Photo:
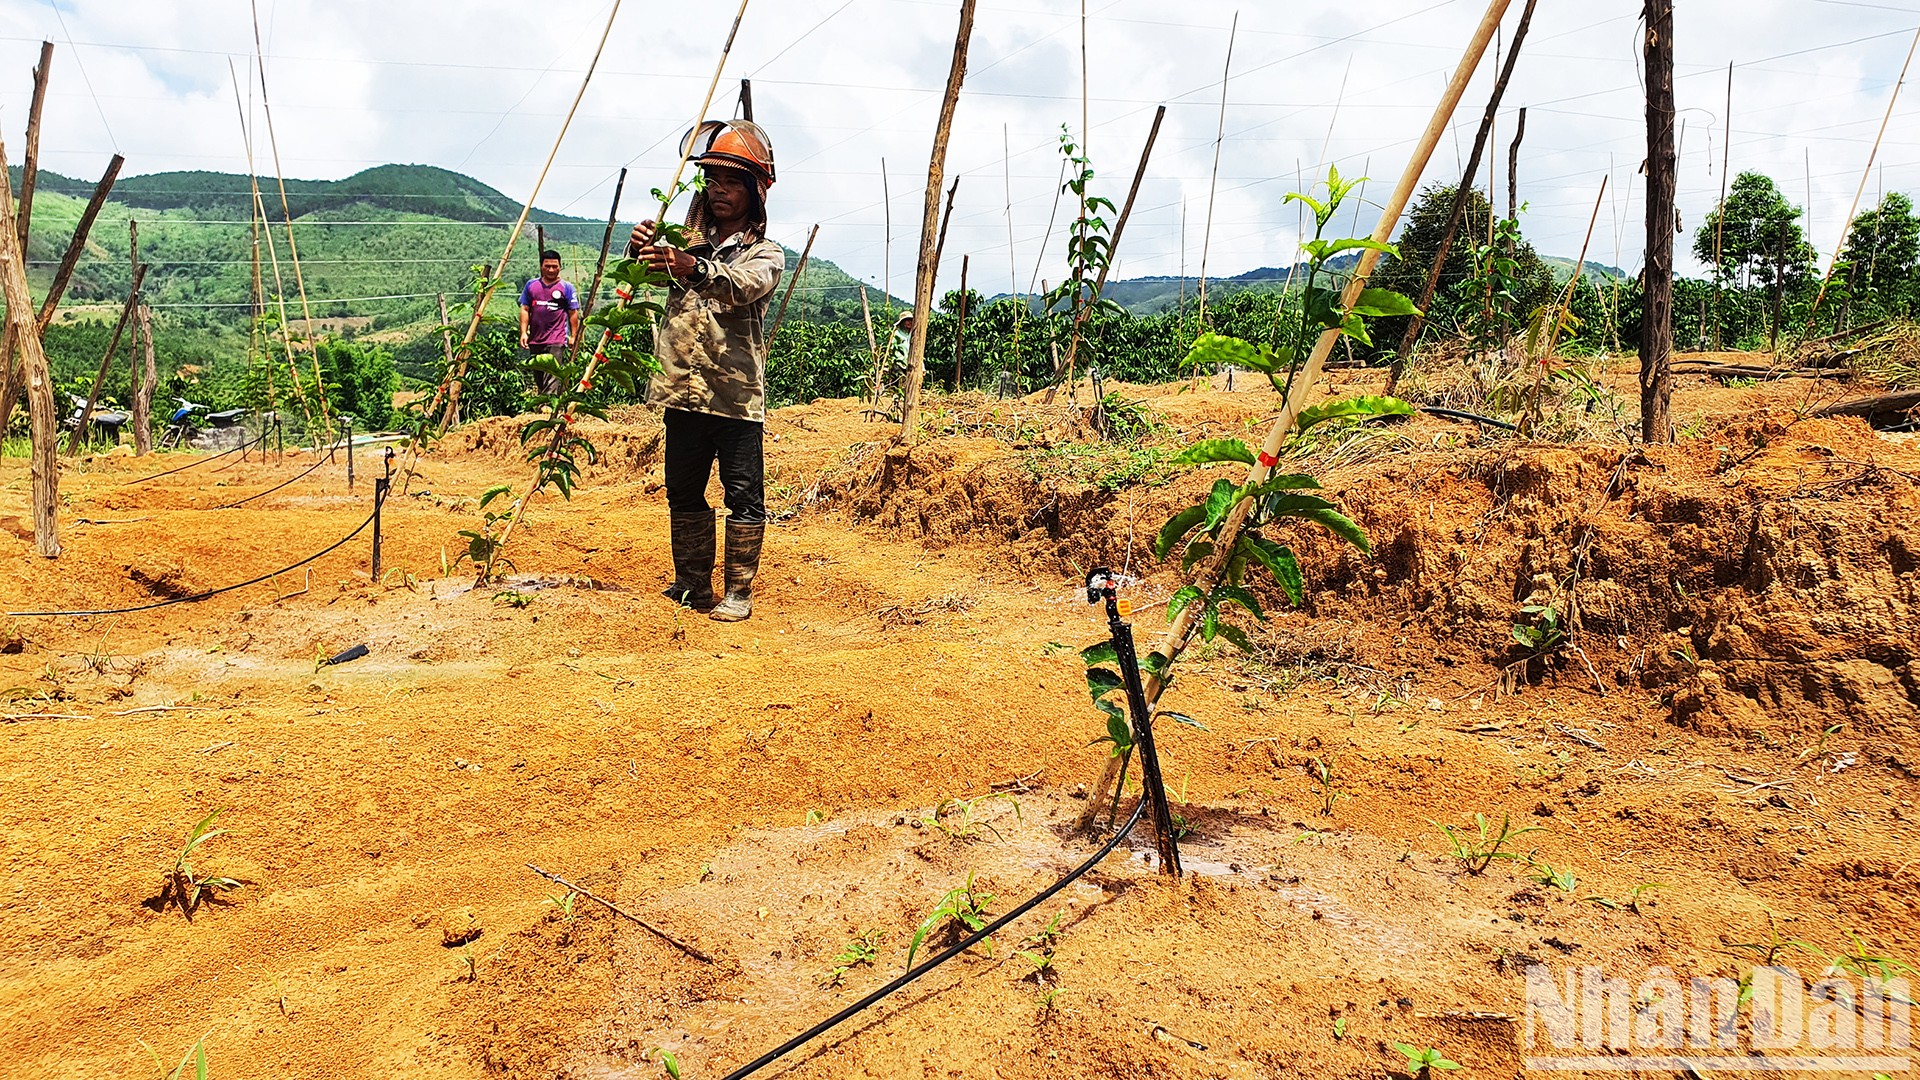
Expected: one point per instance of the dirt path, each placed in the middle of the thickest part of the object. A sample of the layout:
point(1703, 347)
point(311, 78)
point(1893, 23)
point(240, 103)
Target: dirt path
point(756, 787)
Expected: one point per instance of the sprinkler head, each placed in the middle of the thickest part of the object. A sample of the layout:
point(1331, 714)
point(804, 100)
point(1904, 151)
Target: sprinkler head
point(1100, 584)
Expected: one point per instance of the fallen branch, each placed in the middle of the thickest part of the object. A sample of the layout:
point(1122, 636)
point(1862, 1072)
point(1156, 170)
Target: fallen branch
point(642, 923)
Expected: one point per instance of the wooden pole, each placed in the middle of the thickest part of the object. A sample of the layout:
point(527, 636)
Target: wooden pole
point(886, 244)
point(451, 387)
point(960, 325)
point(30, 164)
point(1847, 225)
point(930, 210)
point(261, 227)
point(1461, 194)
point(1558, 315)
point(61, 278)
point(446, 331)
point(1213, 183)
point(946, 216)
point(106, 361)
point(1213, 568)
point(746, 100)
point(293, 248)
point(11, 378)
point(799, 268)
point(1656, 323)
point(137, 414)
point(1513, 167)
point(1720, 221)
point(150, 381)
point(25, 331)
point(599, 273)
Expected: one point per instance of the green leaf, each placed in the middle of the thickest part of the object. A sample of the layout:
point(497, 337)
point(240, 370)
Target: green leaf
point(1347, 408)
point(1210, 623)
point(1186, 595)
point(1118, 730)
point(1103, 681)
point(1355, 327)
point(1100, 653)
point(1216, 349)
point(493, 493)
point(1320, 210)
point(1220, 502)
point(1238, 595)
point(1379, 302)
point(1322, 307)
point(1288, 504)
point(1214, 451)
point(1180, 718)
point(1282, 482)
point(1352, 243)
point(1196, 551)
point(1237, 636)
point(1342, 526)
point(1281, 562)
point(1176, 527)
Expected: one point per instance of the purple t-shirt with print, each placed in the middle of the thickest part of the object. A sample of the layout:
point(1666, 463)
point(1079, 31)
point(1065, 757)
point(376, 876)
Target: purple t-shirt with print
point(547, 309)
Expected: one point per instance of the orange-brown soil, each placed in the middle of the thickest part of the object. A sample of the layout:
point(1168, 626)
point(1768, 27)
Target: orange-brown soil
point(1735, 720)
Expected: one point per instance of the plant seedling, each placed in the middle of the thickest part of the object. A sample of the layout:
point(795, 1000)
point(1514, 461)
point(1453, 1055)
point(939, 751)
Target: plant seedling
point(1421, 1063)
point(466, 960)
point(961, 909)
point(196, 1057)
point(1545, 874)
point(1477, 852)
point(564, 904)
point(863, 949)
point(955, 816)
point(513, 598)
point(1340, 1027)
point(1323, 777)
point(184, 885)
point(667, 1060)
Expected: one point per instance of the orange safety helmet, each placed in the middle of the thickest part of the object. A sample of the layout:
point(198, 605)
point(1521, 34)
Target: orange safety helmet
point(733, 144)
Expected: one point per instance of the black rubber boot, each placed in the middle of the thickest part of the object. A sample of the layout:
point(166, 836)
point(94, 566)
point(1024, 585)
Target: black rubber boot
point(743, 562)
point(693, 542)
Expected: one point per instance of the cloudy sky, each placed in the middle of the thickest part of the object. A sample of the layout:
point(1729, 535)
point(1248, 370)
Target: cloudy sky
point(481, 86)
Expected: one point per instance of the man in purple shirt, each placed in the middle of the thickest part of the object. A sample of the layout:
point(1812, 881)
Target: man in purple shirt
point(549, 318)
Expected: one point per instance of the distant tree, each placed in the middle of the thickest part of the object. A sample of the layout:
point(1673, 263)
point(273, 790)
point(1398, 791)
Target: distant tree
point(1762, 244)
point(1419, 242)
point(1880, 264)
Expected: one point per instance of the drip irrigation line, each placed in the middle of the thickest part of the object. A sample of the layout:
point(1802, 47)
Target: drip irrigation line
point(303, 474)
point(196, 464)
point(196, 598)
point(1456, 414)
point(969, 942)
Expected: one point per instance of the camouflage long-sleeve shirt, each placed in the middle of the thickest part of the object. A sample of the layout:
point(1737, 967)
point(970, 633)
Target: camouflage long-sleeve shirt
point(711, 345)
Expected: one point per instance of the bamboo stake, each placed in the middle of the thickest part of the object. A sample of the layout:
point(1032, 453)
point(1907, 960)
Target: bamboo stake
point(1461, 193)
point(259, 215)
point(450, 386)
point(799, 268)
point(1865, 173)
point(446, 331)
point(293, 248)
point(106, 361)
point(886, 246)
point(873, 345)
point(25, 332)
point(929, 262)
point(1213, 569)
point(1656, 324)
point(1720, 221)
point(10, 393)
point(1213, 182)
point(1559, 314)
point(1113, 246)
point(143, 398)
point(586, 378)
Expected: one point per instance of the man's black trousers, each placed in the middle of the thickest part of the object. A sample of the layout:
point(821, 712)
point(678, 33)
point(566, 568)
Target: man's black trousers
point(694, 442)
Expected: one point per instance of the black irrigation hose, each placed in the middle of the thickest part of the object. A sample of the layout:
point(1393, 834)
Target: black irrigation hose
point(196, 464)
point(335, 546)
point(304, 473)
point(989, 930)
point(1456, 414)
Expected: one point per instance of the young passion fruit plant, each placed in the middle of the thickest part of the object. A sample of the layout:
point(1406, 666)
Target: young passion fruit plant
point(1197, 532)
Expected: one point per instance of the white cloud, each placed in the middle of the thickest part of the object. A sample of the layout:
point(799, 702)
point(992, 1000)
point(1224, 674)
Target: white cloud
point(481, 87)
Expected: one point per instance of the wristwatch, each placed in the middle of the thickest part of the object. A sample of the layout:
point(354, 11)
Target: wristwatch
point(699, 274)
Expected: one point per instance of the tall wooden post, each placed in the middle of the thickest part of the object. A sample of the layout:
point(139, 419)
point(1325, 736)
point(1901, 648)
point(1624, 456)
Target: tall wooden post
point(140, 405)
point(1656, 322)
point(960, 327)
point(1461, 194)
point(143, 397)
point(929, 219)
point(106, 361)
point(799, 268)
point(30, 164)
point(746, 100)
point(873, 345)
point(24, 329)
point(10, 393)
point(1513, 167)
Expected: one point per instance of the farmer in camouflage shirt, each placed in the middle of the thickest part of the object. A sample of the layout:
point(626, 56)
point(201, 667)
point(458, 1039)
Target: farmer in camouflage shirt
point(712, 350)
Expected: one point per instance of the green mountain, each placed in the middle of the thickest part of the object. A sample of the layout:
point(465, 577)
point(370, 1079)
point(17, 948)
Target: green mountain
point(376, 249)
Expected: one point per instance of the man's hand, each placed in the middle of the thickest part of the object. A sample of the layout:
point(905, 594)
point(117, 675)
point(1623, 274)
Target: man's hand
point(668, 259)
point(523, 339)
